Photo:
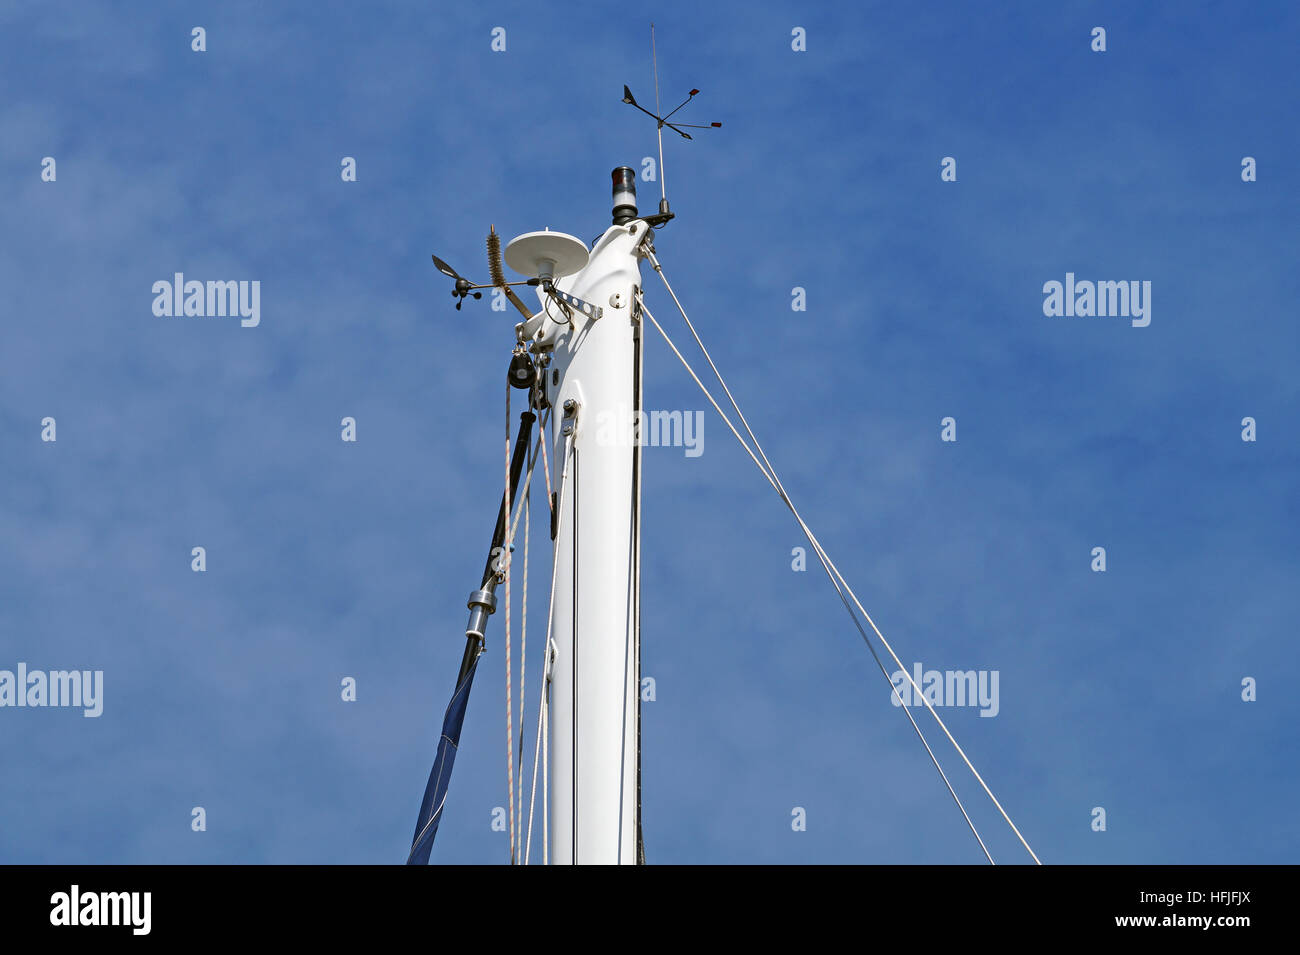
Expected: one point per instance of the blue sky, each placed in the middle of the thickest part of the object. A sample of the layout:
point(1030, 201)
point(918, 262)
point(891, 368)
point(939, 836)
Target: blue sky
point(1120, 690)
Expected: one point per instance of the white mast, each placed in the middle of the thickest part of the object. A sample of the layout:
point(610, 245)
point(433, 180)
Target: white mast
point(592, 383)
point(580, 358)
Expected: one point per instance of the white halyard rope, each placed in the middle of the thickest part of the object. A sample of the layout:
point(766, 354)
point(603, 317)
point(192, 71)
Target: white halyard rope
point(515, 795)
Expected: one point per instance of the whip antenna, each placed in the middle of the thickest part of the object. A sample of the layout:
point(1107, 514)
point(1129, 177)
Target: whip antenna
point(665, 213)
point(659, 130)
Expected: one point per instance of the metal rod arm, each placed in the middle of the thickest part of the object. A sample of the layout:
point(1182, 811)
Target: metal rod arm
point(483, 602)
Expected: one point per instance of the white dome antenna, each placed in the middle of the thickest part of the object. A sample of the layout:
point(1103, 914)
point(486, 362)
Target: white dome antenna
point(546, 256)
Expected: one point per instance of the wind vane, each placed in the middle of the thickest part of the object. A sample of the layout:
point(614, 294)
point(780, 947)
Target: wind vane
point(657, 221)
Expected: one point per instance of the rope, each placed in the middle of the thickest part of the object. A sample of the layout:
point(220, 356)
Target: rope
point(837, 579)
point(520, 510)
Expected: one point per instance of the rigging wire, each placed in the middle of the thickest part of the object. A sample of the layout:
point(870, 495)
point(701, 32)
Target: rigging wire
point(532, 798)
point(839, 590)
point(504, 562)
point(837, 580)
point(828, 565)
point(546, 758)
point(544, 705)
point(523, 660)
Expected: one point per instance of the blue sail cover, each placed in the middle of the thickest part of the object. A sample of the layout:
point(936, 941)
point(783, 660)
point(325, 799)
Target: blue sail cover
point(435, 793)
